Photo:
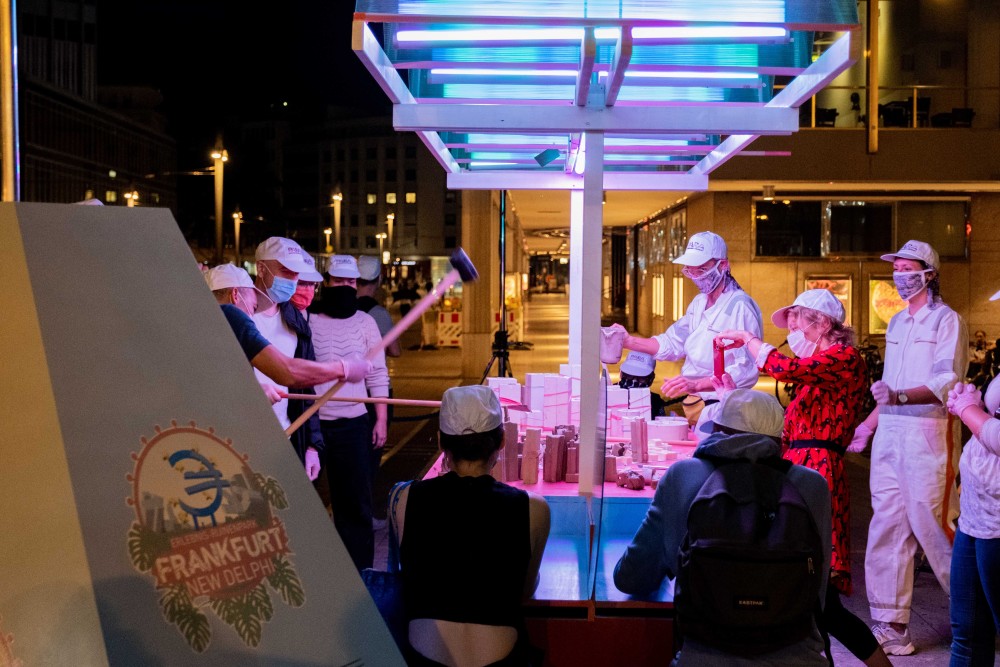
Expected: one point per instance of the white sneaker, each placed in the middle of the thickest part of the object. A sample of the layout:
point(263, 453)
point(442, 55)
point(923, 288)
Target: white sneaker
point(892, 641)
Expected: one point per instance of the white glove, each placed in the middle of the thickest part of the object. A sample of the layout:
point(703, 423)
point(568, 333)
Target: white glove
point(356, 368)
point(862, 434)
point(312, 464)
point(963, 396)
point(271, 392)
point(882, 394)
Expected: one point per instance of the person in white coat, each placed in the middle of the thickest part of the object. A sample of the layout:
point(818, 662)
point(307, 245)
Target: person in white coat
point(975, 561)
point(721, 305)
point(913, 493)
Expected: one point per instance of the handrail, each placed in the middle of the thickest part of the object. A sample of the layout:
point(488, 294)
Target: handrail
point(912, 89)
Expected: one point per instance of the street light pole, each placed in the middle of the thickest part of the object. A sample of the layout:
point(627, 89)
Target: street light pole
point(381, 237)
point(337, 198)
point(237, 220)
point(219, 157)
point(328, 231)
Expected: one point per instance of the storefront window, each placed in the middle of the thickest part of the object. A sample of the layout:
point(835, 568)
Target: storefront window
point(786, 228)
point(940, 223)
point(858, 227)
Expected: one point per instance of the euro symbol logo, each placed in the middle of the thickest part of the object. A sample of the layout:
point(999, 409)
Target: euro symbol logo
point(213, 480)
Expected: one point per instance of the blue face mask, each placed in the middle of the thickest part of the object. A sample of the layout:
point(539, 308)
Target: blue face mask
point(281, 289)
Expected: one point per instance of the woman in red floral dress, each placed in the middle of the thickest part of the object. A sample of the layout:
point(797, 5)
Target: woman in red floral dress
point(819, 423)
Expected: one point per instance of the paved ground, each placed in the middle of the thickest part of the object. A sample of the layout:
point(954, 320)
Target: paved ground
point(426, 374)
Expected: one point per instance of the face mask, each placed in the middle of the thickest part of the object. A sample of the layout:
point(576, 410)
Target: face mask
point(339, 302)
point(910, 283)
point(281, 289)
point(801, 346)
point(709, 281)
point(302, 298)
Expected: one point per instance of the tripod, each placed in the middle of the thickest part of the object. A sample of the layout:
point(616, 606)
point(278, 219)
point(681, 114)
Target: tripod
point(500, 354)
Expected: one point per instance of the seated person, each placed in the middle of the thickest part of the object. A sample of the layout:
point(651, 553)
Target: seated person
point(637, 372)
point(746, 426)
point(470, 546)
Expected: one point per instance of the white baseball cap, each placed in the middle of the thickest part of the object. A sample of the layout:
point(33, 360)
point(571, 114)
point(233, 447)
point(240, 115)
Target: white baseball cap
point(703, 247)
point(227, 276)
point(469, 409)
point(749, 411)
point(286, 252)
point(638, 364)
point(995, 297)
point(369, 268)
point(343, 266)
point(816, 299)
point(312, 275)
point(916, 250)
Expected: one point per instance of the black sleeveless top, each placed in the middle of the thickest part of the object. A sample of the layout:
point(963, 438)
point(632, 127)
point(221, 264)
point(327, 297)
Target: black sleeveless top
point(465, 550)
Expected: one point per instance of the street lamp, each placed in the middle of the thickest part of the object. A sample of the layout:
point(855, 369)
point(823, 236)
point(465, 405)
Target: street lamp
point(328, 231)
point(389, 218)
point(237, 221)
point(131, 198)
point(381, 236)
point(219, 155)
point(337, 198)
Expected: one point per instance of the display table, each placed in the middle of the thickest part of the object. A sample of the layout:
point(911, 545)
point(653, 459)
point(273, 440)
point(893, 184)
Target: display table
point(577, 615)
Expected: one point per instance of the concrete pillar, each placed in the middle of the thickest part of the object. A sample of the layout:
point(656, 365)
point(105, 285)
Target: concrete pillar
point(480, 233)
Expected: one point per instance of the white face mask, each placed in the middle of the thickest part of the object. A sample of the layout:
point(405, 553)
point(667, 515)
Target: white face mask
point(801, 346)
point(910, 283)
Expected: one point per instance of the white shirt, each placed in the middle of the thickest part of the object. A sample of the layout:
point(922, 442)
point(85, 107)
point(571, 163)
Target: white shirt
point(692, 336)
point(980, 468)
point(930, 349)
point(280, 335)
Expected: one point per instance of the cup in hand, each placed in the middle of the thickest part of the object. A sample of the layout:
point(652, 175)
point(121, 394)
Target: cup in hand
point(612, 342)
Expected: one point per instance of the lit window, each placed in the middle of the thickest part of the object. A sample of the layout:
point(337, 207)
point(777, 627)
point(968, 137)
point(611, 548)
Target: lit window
point(110, 196)
point(156, 198)
point(390, 197)
point(372, 197)
point(411, 197)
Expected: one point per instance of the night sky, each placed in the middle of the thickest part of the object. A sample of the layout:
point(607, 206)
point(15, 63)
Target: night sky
point(218, 64)
point(215, 60)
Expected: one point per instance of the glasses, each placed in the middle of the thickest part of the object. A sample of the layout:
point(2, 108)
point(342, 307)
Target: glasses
point(695, 272)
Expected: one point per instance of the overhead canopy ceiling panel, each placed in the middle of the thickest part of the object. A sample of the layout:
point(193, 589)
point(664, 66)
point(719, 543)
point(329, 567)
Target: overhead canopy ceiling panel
point(502, 92)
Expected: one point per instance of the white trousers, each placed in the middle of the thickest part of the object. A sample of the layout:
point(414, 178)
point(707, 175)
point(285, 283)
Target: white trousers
point(913, 496)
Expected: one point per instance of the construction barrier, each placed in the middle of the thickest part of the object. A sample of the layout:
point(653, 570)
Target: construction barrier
point(449, 329)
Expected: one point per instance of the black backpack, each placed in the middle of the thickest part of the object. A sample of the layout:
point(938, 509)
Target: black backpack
point(749, 574)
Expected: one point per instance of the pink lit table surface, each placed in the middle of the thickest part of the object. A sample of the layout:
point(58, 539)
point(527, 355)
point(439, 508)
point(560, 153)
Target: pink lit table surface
point(564, 576)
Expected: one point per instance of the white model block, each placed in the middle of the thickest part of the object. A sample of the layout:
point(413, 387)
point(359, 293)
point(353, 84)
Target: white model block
point(533, 379)
point(617, 398)
point(532, 419)
point(574, 411)
point(533, 396)
point(672, 429)
point(639, 399)
point(570, 370)
point(555, 415)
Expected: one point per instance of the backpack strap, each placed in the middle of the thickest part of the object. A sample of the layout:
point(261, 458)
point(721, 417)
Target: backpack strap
point(392, 562)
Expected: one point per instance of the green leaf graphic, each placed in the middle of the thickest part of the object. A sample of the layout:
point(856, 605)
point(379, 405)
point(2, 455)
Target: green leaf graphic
point(178, 610)
point(144, 545)
point(286, 582)
point(246, 613)
point(274, 493)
